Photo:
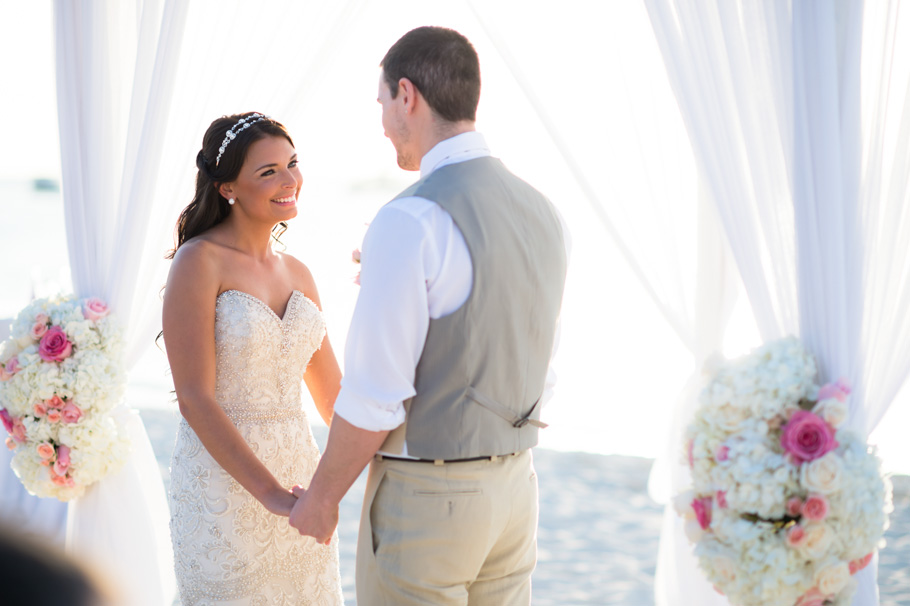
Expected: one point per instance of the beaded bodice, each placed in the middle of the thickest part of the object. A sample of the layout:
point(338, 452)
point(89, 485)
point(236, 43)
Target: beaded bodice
point(260, 358)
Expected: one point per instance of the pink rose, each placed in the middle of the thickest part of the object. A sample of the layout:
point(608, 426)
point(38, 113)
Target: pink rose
point(71, 413)
point(19, 431)
point(813, 597)
point(54, 416)
point(55, 402)
point(40, 409)
point(796, 536)
point(838, 391)
point(7, 420)
point(11, 443)
point(61, 480)
point(721, 498)
point(62, 464)
point(10, 368)
point(54, 346)
point(94, 309)
point(42, 318)
point(857, 565)
point(815, 508)
point(702, 508)
point(45, 450)
point(12, 365)
point(807, 437)
point(794, 507)
point(38, 330)
point(722, 453)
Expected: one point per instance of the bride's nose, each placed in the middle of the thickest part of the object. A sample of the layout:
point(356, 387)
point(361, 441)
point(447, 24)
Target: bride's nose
point(290, 181)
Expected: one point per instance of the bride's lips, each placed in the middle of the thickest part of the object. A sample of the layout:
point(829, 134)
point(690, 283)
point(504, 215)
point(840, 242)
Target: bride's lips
point(289, 201)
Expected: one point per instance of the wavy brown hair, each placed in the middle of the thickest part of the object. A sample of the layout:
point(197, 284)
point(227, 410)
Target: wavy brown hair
point(208, 207)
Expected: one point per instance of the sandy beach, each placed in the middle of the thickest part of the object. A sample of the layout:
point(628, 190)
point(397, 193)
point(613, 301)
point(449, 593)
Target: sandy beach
point(599, 529)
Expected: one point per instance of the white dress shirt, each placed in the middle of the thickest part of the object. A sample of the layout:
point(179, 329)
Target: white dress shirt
point(415, 266)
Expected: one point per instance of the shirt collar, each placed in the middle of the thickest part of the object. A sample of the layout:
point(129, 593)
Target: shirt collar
point(459, 148)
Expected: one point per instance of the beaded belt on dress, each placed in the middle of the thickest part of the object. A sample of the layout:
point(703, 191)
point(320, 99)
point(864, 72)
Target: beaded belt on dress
point(243, 415)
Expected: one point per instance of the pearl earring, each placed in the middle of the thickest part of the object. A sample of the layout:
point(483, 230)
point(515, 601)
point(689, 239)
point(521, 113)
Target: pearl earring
point(231, 201)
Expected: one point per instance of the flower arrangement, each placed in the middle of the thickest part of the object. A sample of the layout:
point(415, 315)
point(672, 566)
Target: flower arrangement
point(787, 504)
point(355, 257)
point(61, 374)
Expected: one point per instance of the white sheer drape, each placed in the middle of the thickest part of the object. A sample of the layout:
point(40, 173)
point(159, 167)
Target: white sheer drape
point(137, 85)
point(115, 65)
point(810, 183)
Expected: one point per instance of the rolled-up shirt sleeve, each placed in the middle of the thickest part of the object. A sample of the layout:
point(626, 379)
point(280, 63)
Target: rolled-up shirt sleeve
point(390, 322)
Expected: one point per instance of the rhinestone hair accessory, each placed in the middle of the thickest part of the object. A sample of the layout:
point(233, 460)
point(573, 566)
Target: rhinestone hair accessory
point(242, 124)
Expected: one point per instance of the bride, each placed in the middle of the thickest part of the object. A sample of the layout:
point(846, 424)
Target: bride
point(242, 326)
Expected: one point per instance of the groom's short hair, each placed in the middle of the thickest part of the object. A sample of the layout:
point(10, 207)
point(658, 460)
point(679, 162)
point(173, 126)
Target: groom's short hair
point(443, 66)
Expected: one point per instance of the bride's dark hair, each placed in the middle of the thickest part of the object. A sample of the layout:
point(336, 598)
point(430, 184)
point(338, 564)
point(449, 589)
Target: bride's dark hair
point(209, 207)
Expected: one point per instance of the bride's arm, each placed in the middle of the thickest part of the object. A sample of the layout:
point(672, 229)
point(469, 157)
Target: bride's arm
point(322, 375)
point(189, 337)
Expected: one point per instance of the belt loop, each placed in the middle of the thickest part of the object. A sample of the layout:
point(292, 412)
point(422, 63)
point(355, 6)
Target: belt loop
point(494, 458)
point(379, 457)
point(438, 462)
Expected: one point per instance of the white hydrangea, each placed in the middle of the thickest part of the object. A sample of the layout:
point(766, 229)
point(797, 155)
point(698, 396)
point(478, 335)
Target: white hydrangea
point(743, 483)
point(91, 378)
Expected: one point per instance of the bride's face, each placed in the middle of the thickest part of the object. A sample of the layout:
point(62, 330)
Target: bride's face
point(269, 181)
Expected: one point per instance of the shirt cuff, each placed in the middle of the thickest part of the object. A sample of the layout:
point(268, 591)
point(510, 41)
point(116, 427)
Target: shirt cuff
point(364, 413)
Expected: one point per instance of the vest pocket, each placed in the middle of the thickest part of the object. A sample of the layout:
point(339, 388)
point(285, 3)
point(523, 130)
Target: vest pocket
point(447, 493)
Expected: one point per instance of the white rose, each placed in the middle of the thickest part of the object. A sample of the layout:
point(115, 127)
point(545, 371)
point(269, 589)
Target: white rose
point(694, 531)
point(832, 411)
point(818, 541)
point(822, 475)
point(831, 579)
point(724, 570)
point(729, 417)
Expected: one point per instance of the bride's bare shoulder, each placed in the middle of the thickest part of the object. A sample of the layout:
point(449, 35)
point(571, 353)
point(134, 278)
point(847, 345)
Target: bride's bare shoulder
point(301, 276)
point(196, 263)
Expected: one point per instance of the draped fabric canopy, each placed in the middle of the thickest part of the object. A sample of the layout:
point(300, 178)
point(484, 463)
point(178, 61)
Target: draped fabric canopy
point(791, 109)
point(800, 149)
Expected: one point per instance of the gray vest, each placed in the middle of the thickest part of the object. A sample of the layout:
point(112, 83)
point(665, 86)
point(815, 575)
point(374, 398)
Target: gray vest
point(483, 367)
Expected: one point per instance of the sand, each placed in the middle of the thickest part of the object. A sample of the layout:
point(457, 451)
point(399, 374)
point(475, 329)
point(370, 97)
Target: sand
point(599, 530)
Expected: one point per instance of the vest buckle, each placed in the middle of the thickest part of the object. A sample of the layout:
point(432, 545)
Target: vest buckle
point(521, 423)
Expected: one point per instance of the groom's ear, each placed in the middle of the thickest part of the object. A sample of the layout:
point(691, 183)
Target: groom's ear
point(407, 94)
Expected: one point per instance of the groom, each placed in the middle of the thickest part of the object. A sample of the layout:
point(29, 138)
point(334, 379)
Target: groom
point(447, 355)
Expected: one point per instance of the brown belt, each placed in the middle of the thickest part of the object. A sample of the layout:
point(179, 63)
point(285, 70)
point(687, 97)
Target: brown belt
point(382, 457)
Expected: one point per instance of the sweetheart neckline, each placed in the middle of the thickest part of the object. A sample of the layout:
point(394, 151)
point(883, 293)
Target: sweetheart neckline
point(287, 306)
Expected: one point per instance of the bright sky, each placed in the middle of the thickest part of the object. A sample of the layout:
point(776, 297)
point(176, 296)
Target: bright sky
point(620, 363)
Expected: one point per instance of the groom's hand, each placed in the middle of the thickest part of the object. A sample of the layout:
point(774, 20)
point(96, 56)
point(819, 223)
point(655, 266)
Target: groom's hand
point(313, 518)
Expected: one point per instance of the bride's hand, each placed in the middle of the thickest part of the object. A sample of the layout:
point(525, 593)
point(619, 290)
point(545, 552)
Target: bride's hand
point(280, 502)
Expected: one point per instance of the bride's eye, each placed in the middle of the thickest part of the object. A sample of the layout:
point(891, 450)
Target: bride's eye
point(267, 173)
point(293, 163)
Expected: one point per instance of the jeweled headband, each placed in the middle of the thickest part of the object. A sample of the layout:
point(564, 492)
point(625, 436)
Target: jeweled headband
point(235, 130)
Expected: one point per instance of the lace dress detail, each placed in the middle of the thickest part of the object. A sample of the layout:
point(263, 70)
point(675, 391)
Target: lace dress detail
point(228, 549)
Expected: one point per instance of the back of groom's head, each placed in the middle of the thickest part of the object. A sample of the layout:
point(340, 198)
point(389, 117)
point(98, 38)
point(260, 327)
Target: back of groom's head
point(443, 66)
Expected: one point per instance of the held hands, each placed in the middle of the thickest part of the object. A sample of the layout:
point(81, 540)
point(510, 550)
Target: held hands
point(280, 502)
point(313, 518)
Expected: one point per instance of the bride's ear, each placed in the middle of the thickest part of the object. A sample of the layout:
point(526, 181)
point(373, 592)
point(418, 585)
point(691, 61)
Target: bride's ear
point(225, 190)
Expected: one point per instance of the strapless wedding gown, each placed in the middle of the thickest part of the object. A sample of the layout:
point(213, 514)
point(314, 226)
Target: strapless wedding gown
point(228, 549)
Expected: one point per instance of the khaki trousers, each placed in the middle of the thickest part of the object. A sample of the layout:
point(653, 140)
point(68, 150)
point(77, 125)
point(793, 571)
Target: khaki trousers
point(452, 534)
